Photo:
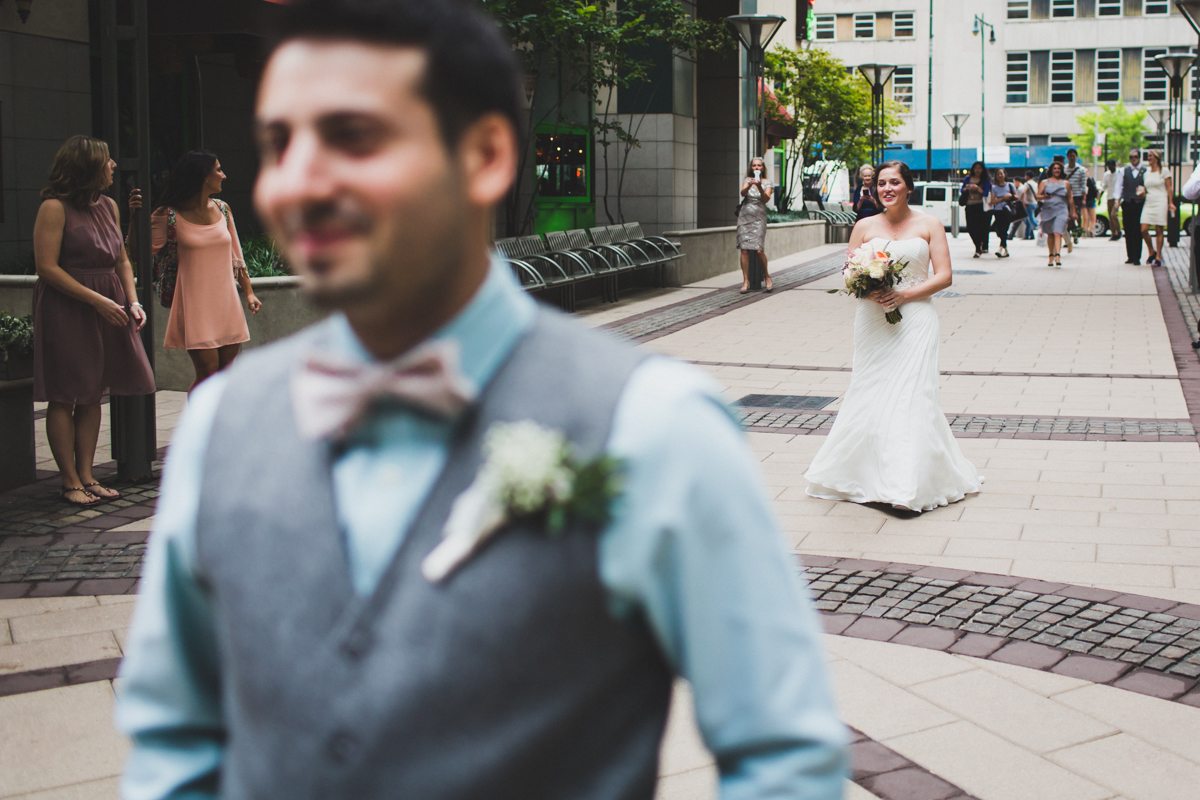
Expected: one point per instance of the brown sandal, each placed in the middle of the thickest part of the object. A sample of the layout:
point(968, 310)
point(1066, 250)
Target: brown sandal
point(114, 496)
point(62, 496)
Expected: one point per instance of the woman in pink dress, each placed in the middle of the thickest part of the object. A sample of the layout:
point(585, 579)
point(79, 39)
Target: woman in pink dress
point(86, 316)
point(206, 315)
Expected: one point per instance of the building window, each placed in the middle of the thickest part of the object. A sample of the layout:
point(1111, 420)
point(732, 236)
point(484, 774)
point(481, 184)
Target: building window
point(1108, 76)
point(902, 89)
point(1154, 80)
point(1108, 8)
point(1062, 76)
point(1062, 8)
point(826, 26)
point(864, 26)
point(1016, 141)
point(1060, 139)
point(904, 25)
point(1017, 78)
point(1018, 9)
point(1153, 7)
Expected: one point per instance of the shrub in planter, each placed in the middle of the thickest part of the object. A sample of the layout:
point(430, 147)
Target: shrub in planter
point(16, 347)
point(263, 259)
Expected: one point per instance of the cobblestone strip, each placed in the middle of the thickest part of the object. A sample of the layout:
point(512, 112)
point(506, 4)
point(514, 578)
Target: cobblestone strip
point(660, 322)
point(969, 373)
point(967, 426)
point(1143, 644)
point(1175, 260)
point(890, 776)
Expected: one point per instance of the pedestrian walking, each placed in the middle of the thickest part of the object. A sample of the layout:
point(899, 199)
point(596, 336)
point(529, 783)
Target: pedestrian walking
point(86, 315)
point(975, 190)
point(1158, 206)
point(391, 558)
point(1077, 176)
point(1109, 184)
point(1131, 194)
point(752, 222)
point(865, 202)
point(1028, 194)
point(206, 315)
point(1088, 217)
point(1058, 209)
point(1006, 208)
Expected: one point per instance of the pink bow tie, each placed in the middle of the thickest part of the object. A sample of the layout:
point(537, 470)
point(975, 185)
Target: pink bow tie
point(330, 396)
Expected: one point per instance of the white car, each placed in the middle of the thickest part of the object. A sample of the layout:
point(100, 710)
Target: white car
point(936, 198)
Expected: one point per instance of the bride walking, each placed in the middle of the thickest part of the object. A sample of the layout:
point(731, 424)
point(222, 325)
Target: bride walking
point(890, 442)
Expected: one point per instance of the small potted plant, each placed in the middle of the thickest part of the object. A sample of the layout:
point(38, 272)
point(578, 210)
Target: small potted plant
point(16, 347)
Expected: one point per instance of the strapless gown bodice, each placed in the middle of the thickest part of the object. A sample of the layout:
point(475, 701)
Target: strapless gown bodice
point(890, 442)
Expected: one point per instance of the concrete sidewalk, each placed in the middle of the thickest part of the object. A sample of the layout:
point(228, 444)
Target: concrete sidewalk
point(1071, 531)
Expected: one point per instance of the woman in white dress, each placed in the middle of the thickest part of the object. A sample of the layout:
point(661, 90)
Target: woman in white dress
point(1158, 205)
point(890, 442)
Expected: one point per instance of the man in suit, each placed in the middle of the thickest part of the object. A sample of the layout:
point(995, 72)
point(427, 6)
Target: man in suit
point(342, 600)
point(1128, 182)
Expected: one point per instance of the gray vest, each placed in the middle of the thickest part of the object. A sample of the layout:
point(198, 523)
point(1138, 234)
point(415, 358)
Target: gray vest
point(509, 680)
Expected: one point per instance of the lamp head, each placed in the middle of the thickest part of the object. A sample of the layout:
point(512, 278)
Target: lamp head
point(877, 75)
point(975, 28)
point(1176, 65)
point(956, 121)
point(755, 31)
point(1191, 12)
point(993, 39)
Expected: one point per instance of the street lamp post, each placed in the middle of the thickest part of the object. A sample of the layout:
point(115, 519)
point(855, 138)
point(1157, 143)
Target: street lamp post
point(956, 122)
point(1176, 66)
point(755, 32)
point(980, 24)
point(1191, 12)
point(877, 76)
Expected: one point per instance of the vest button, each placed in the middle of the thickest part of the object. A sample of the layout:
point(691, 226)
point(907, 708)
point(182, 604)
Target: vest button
point(357, 643)
point(341, 745)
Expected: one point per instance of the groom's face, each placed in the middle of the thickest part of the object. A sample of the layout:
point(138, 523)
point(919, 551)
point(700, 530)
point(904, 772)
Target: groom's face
point(356, 182)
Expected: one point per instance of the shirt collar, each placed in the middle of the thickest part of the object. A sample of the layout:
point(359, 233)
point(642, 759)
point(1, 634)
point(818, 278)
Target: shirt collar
point(486, 330)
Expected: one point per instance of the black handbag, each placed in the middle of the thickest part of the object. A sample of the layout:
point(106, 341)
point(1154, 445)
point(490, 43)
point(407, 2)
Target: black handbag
point(737, 212)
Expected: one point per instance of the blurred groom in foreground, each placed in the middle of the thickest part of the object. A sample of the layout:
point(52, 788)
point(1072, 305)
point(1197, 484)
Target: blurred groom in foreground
point(447, 543)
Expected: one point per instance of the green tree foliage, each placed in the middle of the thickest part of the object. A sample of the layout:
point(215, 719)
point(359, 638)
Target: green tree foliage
point(1125, 130)
point(591, 49)
point(828, 106)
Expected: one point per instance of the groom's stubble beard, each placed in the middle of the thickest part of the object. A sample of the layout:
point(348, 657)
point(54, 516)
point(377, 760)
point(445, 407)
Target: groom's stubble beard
point(406, 262)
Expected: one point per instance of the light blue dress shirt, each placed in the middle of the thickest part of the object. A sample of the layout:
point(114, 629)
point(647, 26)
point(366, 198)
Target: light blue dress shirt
point(692, 546)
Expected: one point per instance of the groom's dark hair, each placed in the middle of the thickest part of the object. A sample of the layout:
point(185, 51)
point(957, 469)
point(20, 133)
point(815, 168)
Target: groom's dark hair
point(905, 173)
point(469, 68)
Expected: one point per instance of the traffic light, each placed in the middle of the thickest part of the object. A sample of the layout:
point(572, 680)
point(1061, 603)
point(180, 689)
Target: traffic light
point(805, 20)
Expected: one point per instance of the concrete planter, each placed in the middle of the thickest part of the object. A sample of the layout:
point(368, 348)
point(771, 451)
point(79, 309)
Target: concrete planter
point(284, 311)
point(713, 251)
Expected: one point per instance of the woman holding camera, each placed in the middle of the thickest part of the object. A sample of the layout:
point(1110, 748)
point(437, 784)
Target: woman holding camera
point(752, 222)
point(86, 316)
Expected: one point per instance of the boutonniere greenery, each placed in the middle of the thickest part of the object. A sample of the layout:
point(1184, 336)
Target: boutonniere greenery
point(529, 473)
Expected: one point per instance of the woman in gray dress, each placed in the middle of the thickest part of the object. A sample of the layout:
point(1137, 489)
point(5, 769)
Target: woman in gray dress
point(1058, 208)
point(752, 222)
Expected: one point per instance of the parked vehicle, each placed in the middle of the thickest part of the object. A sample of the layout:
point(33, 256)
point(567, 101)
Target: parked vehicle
point(936, 198)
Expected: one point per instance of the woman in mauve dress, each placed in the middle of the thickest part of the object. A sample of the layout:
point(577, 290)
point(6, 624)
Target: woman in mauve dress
point(206, 315)
point(86, 316)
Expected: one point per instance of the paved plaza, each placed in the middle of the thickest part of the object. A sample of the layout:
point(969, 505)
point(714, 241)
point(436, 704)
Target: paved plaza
point(1040, 640)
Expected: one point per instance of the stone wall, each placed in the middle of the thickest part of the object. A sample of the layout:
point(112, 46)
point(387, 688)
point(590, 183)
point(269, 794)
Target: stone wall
point(659, 185)
point(284, 311)
point(713, 251)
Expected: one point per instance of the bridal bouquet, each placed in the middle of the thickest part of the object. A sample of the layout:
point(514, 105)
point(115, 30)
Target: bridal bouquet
point(868, 269)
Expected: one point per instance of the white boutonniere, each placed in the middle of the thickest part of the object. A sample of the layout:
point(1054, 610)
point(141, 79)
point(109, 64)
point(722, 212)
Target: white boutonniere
point(528, 472)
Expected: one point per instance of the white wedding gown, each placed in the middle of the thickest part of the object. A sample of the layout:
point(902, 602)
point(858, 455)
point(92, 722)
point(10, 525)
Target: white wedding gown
point(890, 442)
